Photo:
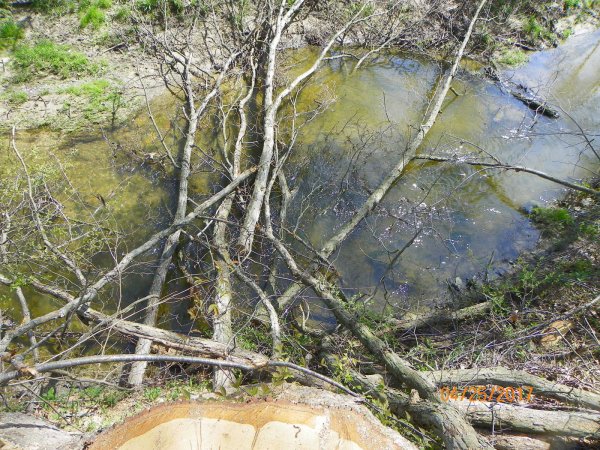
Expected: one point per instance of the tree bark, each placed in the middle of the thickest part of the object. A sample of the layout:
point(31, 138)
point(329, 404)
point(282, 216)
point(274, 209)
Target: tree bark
point(514, 418)
point(506, 377)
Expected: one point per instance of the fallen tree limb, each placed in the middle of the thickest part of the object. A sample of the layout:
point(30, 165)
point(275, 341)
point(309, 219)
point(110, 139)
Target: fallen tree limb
point(271, 105)
point(92, 291)
point(515, 418)
point(452, 427)
point(194, 113)
point(102, 359)
point(538, 173)
point(506, 377)
point(436, 318)
point(497, 417)
point(537, 104)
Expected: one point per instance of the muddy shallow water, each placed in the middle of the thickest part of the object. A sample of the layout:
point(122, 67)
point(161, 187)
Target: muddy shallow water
point(472, 221)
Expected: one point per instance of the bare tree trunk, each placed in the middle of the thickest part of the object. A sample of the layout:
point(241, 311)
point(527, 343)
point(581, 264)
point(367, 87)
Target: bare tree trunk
point(194, 113)
point(222, 327)
point(136, 374)
point(271, 106)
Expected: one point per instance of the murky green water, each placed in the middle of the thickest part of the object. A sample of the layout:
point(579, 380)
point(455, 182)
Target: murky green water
point(469, 218)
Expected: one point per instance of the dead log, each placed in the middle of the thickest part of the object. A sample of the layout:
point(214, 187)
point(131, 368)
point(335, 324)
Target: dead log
point(436, 318)
point(490, 416)
point(522, 93)
point(515, 418)
point(506, 377)
point(502, 441)
point(537, 104)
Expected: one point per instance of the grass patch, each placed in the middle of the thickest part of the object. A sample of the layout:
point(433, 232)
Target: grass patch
point(15, 97)
point(48, 58)
point(513, 57)
point(10, 33)
point(55, 6)
point(101, 99)
point(537, 32)
point(94, 89)
point(123, 14)
point(93, 15)
point(552, 221)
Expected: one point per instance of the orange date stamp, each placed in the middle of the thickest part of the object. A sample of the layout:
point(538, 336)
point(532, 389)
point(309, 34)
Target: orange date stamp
point(480, 393)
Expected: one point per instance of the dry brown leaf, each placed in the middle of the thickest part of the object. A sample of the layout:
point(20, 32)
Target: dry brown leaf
point(558, 328)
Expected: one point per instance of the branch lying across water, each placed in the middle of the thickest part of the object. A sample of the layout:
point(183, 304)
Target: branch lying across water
point(490, 165)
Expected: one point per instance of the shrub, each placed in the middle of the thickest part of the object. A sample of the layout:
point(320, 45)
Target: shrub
point(10, 33)
point(46, 58)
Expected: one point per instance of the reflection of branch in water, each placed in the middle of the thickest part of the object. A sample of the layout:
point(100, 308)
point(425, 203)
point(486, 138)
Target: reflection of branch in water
point(494, 165)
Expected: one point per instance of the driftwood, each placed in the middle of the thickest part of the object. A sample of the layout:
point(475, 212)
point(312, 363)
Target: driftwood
point(500, 166)
point(538, 104)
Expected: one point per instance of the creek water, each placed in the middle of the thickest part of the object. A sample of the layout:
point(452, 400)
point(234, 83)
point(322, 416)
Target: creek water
point(471, 221)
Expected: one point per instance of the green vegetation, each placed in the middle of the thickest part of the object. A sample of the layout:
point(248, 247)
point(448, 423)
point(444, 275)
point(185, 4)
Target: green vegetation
point(93, 17)
point(559, 217)
point(123, 14)
point(15, 97)
point(48, 58)
point(512, 57)
point(536, 32)
point(55, 6)
point(152, 393)
point(158, 8)
point(553, 221)
point(93, 14)
point(10, 33)
point(571, 4)
point(101, 98)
